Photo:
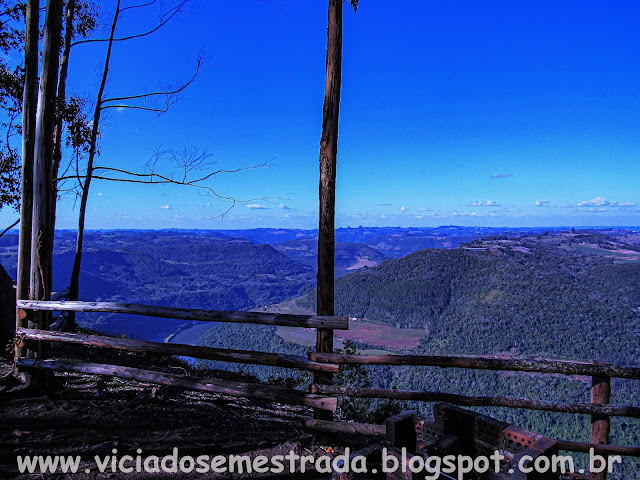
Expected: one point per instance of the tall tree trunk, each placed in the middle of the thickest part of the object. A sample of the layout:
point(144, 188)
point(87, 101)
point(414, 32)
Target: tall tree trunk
point(327, 186)
point(42, 229)
point(29, 104)
point(62, 99)
point(74, 284)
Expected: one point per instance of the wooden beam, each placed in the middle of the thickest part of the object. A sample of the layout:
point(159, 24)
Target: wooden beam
point(344, 427)
point(524, 403)
point(281, 319)
point(599, 449)
point(566, 367)
point(208, 353)
point(234, 389)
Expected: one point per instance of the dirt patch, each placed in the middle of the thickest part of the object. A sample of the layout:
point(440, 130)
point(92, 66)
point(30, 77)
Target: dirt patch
point(362, 262)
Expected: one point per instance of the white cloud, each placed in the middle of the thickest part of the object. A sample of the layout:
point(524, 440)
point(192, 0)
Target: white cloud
point(488, 203)
point(256, 206)
point(208, 204)
point(623, 204)
point(427, 212)
point(594, 202)
point(541, 203)
point(166, 207)
point(456, 213)
point(101, 194)
point(403, 208)
point(283, 206)
point(496, 176)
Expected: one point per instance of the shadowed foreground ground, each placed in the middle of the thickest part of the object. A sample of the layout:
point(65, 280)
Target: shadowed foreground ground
point(91, 416)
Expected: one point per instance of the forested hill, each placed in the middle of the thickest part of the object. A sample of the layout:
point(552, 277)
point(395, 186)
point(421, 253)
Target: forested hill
point(559, 295)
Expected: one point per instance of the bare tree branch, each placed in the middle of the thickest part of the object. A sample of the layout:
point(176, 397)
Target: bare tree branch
point(135, 107)
point(142, 5)
point(10, 227)
point(154, 178)
point(159, 93)
point(164, 19)
point(185, 162)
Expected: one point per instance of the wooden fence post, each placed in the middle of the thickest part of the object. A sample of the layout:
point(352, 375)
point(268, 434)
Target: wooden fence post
point(600, 425)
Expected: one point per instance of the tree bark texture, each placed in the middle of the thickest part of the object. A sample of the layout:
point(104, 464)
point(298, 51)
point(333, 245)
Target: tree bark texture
point(327, 185)
point(29, 104)
point(41, 227)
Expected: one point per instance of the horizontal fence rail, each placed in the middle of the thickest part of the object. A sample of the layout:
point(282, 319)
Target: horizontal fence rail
point(261, 318)
point(207, 353)
point(223, 387)
point(566, 367)
point(525, 403)
point(599, 449)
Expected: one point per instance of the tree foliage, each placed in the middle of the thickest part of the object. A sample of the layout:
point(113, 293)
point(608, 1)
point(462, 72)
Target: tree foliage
point(11, 80)
point(12, 13)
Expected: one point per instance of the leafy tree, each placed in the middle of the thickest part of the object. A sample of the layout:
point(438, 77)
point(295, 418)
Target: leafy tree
point(11, 81)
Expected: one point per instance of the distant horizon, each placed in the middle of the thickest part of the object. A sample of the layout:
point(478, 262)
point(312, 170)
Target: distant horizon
point(541, 227)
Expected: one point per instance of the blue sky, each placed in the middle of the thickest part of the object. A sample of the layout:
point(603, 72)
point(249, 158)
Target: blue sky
point(493, 113)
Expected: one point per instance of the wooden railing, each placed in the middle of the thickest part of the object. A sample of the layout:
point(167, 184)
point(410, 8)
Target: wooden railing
point(285, 320)
point(599, 407)
point(321, 396)
point(239, 389)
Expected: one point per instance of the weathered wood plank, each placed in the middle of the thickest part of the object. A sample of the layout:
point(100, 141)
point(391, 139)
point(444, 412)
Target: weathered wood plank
point(344, 427)
point(223, 387)
point(599, 449)
point(208, 353)
point(524, 403)
point(280, 319)
point(566, 367)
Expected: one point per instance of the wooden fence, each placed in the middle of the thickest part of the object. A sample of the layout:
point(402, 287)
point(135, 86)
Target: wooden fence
point(323, 397)
point(238, 389)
